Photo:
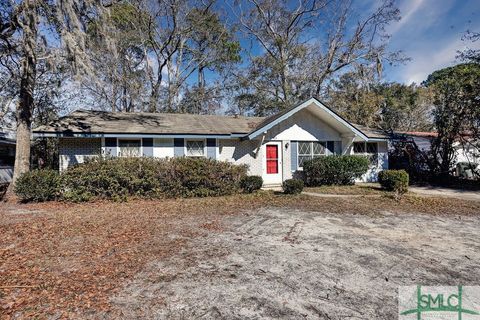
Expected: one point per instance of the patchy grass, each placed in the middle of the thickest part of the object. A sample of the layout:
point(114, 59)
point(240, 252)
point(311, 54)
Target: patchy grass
point(357, 189)
point(67, 260)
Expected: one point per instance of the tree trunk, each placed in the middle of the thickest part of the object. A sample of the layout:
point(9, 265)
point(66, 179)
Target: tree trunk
point(27, 86)
point(154, 94)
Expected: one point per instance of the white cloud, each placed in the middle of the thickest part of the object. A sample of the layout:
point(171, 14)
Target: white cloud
point(435, 57)
point(407, 12)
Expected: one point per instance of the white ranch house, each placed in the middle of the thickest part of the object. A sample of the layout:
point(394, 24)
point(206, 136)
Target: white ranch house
point(273, 148)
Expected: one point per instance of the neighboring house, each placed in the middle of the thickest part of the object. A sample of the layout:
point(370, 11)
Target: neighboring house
point(423, 140)
point(274, 147)
point(7, 158)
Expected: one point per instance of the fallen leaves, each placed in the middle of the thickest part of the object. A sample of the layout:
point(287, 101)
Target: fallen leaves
point(62, 260)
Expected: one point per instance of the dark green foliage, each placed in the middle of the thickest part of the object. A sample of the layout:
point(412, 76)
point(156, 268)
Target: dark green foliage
point(200, 177)
point(38, 185)
point(336, 169)
point(120, 178)
point(456, 112)
point(250, 184)
point(115, 178)
point(292, 186)
point(394, 180)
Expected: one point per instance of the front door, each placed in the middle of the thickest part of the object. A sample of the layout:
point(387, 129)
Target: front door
point(272, 169)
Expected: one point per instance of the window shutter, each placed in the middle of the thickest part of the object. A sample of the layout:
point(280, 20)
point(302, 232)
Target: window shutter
point(147, 144)
point(294, 155)
point(178, 147)
point(111, 147)
point(331, 147)
point(338, 147)
point(211, 148)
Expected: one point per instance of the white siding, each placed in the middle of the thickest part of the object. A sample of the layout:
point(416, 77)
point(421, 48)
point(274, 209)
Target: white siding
point(163, 148)
point(303, 126)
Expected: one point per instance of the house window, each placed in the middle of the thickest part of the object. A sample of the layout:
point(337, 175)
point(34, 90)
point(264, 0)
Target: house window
point(195, 148)
point(309, 150)
point(129, 148)
point(369, 149)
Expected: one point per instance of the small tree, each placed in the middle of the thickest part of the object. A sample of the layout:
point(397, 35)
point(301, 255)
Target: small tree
point(456, 113)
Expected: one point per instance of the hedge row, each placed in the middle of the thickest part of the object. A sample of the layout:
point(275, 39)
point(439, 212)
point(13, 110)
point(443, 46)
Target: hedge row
point(120, 178)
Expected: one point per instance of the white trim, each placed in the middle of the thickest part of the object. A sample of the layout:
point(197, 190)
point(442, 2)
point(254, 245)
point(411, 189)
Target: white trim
point(204, 148)
point(274, 178)
point(300, 168)
point(302, 106)
point(103, 146)
point(141, 145)
point(367, 153)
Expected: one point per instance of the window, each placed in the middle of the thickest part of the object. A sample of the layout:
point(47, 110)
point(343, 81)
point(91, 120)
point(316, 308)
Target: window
point(309, 150)
point(369, 149)
point(195, 148)
point(359, 147)
point(129, 148)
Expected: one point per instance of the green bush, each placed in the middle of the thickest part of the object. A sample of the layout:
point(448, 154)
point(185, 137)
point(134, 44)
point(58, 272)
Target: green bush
point(200, 177)
point(335, 169)
point(114, 178)
point(292, 186)
point(250, 184)
point(120, 178)
point(394, 180)
point(38, 185)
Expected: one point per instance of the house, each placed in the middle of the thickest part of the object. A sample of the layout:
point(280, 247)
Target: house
point(273, 147)
point(464, 153)
point(7, 157)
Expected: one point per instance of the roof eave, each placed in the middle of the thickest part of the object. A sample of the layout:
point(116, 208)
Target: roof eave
point(49, 134)
point(301, 106)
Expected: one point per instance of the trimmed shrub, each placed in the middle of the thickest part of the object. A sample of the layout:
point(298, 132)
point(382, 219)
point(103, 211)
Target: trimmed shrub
point(394, 180)
point(292, 186)
point(120, 178)
point(113, 178)
point(335, 169)
point(38, 185)
point(200, 177)
point(250, 184)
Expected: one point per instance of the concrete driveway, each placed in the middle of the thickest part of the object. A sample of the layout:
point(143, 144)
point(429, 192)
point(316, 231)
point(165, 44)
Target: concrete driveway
point(445, 192)
point(287, 264)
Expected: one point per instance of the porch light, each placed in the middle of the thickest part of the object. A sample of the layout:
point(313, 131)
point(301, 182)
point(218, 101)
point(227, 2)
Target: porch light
point(286, 145)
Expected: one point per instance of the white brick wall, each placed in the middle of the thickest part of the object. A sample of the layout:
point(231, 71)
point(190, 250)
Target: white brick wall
point(75, 150)
point(286, 160)
point(242, 152)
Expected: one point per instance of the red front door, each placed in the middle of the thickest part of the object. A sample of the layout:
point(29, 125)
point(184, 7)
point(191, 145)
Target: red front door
point(272, 159)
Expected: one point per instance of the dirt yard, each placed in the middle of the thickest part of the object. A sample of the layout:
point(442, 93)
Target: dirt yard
point(261, 256)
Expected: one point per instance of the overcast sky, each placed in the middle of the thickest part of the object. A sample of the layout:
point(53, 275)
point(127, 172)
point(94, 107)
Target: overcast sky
point(430, 33)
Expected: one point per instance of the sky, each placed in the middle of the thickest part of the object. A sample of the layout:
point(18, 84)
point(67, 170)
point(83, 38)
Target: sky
point(430, 33)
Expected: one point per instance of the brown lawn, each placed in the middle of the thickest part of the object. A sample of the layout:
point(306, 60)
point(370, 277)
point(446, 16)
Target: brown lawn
point(68, 260)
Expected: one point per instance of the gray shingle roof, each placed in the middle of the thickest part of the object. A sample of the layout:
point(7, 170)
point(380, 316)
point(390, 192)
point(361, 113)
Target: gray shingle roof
point(372, 133)
point(89, 121)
